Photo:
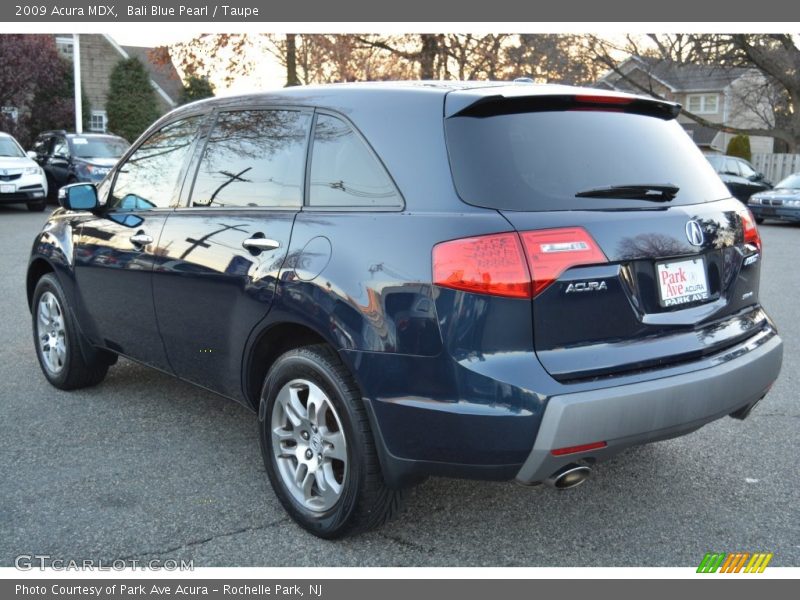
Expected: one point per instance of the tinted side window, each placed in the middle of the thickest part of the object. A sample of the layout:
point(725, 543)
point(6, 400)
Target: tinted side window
point(344, 171)
point(254, 158)
point(148, 179)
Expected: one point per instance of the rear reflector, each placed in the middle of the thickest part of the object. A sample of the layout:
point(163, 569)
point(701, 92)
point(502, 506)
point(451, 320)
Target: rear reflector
point(751, 235)
point(550, 252)
point(499, 265)
point(577, 449)
point(488, 264)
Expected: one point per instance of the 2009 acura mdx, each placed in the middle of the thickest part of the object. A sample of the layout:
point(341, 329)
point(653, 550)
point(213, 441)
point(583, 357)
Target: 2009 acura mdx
point(491, 280)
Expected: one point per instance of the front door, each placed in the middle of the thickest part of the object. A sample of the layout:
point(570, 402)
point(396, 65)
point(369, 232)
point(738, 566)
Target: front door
point(221, 254)
point(116, 249)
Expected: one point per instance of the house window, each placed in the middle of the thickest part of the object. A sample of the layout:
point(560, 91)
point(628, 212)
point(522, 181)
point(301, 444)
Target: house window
point(702, 103)
point(98, 120)
point(65, 47)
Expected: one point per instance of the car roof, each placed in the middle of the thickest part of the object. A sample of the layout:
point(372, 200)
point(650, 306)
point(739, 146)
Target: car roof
point(459, 93)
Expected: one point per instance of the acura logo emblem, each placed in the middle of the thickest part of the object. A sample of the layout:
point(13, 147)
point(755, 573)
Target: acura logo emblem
point(694, 233)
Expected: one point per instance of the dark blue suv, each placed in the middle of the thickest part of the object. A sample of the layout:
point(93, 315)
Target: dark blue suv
point(403, 280)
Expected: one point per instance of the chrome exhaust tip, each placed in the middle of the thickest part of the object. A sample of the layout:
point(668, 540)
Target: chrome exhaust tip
point(568, 477)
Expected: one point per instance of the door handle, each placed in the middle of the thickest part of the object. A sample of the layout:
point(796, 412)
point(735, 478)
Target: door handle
point(141, 239)
point(259, 244)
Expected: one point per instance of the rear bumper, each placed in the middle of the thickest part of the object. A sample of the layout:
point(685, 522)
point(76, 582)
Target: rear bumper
point(652, 410)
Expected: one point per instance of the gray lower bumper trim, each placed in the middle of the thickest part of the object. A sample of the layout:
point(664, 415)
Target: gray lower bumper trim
point(651, 410)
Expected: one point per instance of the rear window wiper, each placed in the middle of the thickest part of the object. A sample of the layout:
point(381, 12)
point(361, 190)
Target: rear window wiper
point(656, 192)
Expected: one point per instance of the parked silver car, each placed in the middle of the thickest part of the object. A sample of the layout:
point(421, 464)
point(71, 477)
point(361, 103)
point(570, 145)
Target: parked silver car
point(782, 202)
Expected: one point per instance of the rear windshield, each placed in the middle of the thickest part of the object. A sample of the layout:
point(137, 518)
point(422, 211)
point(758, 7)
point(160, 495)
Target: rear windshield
point(539, 160)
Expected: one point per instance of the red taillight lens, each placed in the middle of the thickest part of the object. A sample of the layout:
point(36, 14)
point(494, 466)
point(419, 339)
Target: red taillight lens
point(550, 252)
point(751, 235)
point(500, 265)
point(488, 264)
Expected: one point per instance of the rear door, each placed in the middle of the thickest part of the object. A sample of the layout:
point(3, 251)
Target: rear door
point(637, 254)
point(221, 252)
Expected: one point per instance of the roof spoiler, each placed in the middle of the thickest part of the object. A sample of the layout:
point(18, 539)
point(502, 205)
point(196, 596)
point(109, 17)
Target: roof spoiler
point(490, 106)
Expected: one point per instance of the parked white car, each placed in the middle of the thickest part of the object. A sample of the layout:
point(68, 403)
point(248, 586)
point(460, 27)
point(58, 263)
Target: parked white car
point(22, 181)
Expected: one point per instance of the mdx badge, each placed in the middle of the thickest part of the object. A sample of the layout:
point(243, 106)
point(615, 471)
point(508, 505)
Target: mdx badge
point(694, 233)
point(586, 286)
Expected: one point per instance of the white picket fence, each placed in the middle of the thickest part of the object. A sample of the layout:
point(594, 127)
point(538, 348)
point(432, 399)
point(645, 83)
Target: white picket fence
point(776, 166)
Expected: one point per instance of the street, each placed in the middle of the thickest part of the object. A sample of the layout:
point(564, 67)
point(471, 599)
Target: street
point(144, 466)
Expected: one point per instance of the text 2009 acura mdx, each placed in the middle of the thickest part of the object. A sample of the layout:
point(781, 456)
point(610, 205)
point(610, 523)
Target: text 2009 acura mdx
point(481, 280)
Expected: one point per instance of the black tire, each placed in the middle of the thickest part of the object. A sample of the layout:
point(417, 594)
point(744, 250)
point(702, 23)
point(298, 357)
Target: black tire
point(365, 501)
point(759, 220)
point(37, 206)
point(75, 370)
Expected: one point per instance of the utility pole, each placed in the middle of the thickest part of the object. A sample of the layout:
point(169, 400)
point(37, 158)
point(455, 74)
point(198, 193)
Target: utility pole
point(76, 72)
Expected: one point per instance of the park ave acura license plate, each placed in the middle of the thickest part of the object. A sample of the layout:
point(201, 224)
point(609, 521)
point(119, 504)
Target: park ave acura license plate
point(682, 281)
point(8, 188)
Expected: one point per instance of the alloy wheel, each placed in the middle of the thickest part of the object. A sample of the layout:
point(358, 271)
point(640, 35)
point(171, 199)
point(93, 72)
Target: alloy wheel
point(51, 332)
point(309, 445)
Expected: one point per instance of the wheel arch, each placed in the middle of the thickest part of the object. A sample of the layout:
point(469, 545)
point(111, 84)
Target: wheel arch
point(38, 268)
point(269, 343)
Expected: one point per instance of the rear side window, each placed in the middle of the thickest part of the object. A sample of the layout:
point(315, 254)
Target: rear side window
point(149, 177)
point(254, 158)
point(344, 170)
point(540, 160)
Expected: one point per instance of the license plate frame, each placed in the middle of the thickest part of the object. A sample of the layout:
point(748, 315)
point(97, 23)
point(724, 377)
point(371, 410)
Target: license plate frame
point(682, 281)
point(7, 188)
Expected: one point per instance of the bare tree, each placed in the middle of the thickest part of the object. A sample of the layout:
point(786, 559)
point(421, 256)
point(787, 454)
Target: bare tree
point(771, 93)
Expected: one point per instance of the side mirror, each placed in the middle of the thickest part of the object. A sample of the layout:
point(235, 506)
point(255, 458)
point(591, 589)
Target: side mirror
point(32, 155)
point(757, 177)
point(78, 196)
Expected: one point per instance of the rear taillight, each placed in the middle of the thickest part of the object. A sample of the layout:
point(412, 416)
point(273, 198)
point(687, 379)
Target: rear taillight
point(751, 235)
point(500, 265)
point(488, 264)
point(550, 252)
